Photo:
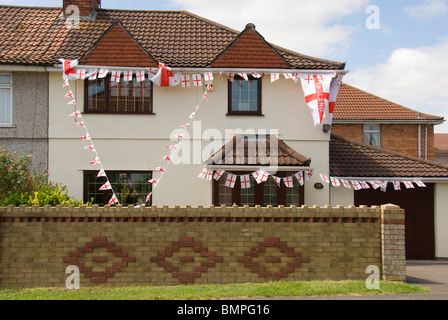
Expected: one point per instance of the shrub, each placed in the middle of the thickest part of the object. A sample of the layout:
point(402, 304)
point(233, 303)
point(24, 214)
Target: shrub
point(21, 186)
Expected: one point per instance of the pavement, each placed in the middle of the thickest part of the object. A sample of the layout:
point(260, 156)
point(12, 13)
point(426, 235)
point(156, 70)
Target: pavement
point(430, 274)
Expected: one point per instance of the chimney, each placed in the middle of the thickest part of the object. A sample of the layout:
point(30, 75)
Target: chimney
point(87, 8)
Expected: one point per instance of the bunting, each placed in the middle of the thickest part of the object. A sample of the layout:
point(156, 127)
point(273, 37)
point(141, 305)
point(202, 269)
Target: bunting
point(70, 74)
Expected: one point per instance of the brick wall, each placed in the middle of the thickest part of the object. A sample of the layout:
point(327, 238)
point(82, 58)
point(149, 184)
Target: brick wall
point(401, 138)
point(192, 245)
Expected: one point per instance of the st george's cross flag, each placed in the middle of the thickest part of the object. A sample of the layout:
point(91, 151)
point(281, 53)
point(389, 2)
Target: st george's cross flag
point(230, 181)
point(317, 94)
point(335, 182)
point(245, 181)
point(299, 177)
point(165, 77)
point(113, 200)
point(218, 174)
point(68, 69)
point(105, 186)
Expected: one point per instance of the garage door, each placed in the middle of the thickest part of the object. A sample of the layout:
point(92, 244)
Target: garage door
point(419, 212)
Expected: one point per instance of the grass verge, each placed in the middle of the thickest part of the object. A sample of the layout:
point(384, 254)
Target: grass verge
point(213, 292)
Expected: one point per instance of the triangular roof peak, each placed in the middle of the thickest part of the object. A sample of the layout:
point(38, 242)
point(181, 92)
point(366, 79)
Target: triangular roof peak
point(117, 48)
point(250, 50)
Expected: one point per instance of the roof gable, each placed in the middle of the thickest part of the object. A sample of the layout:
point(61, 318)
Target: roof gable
point(118, 48)
point(250, 50)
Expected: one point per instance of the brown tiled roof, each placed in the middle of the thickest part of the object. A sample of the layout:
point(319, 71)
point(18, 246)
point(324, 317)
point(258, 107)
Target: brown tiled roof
point(355, 104)
point(254, 151)
point(30, 35)
point(441, 141)
point(355, 159)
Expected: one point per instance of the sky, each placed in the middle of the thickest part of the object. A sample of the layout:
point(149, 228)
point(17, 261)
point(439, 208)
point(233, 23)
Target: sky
point(396, 49)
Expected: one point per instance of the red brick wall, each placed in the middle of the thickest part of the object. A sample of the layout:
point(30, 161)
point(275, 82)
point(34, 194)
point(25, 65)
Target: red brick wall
point(124, 246)
point(401, 138)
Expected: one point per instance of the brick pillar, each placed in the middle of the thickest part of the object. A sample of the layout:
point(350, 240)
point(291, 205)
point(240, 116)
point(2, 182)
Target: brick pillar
point(393, 252)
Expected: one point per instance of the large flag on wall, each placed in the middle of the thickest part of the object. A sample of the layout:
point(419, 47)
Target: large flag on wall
point(317, 94)
point(334, 90)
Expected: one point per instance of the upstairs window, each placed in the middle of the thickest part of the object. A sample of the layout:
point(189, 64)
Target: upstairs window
point(371, 135)
point(124, 97)
point(5, 99)
point(244, 96)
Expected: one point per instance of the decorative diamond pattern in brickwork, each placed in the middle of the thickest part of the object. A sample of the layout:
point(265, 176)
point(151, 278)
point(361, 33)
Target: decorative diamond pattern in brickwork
point(200, 260)
point(283, 252)
point(101, 267)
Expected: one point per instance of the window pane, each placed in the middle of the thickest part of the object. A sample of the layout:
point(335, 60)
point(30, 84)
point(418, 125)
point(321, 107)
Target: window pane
point(5, 79)
point(372, 138)
point(270, 192)
point(248, 195)
point(130, 96)
point(5, 105)
point(96, 100)
point(293, 194)
point(375, 128)
point(244, 95)
point(131, 188)
point(225, 193)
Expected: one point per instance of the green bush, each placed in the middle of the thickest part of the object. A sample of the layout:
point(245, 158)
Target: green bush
point(21, 186)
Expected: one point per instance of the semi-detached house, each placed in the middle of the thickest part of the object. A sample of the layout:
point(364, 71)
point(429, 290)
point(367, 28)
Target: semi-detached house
point(252, 101)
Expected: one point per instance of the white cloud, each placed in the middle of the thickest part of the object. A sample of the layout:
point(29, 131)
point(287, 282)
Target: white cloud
point(428, 9)
point(309, 27)
point(414, 77)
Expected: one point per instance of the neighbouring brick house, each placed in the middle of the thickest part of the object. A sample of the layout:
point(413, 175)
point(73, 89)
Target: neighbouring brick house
point(364, 117)
point(133, 123)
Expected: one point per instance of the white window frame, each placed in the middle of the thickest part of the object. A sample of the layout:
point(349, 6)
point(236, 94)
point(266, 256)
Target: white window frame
point(8, 86)
point(365, 130)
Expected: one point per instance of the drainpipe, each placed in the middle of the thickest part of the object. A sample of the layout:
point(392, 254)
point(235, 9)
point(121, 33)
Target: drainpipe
point(419, 140)
point(426, 143)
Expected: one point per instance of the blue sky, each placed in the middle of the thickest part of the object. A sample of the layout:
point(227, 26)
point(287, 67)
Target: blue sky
point(405, 60)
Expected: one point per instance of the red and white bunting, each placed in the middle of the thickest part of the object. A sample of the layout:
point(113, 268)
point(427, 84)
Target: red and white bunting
point(308, 174)
point(153, 181)
point(113, 200)
point(244, 76)
point(186, 81)
point(101, 173)
point(231, 180)
point(86, 137)
point(397, 185)
point(299, 177)
point(102, 73)
point(91, 148)
point(197, 80)
point(230, 76)
point(203, 173)
point(408, 185)
point(356, 185)
point(288, 76)
point(76, 114)
point(127, 75)
point(95, 161)
point(115, 76)
point(364, 184)
point(72, 102)
point(209, 175)
point(81, 124)
point(105, 186)
point(69, 95)
point(335, 182)
point(275, 77)
point(208, 76)
point(277, 180)
point(159, 169)
point(375, 185)
point(245, 181)
point(324, 178)
point(289, 183)
point(346, 183)
point(218, 174)
point(140, 76)
point(256, 75)
point(93, 74)
point(420, 184)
